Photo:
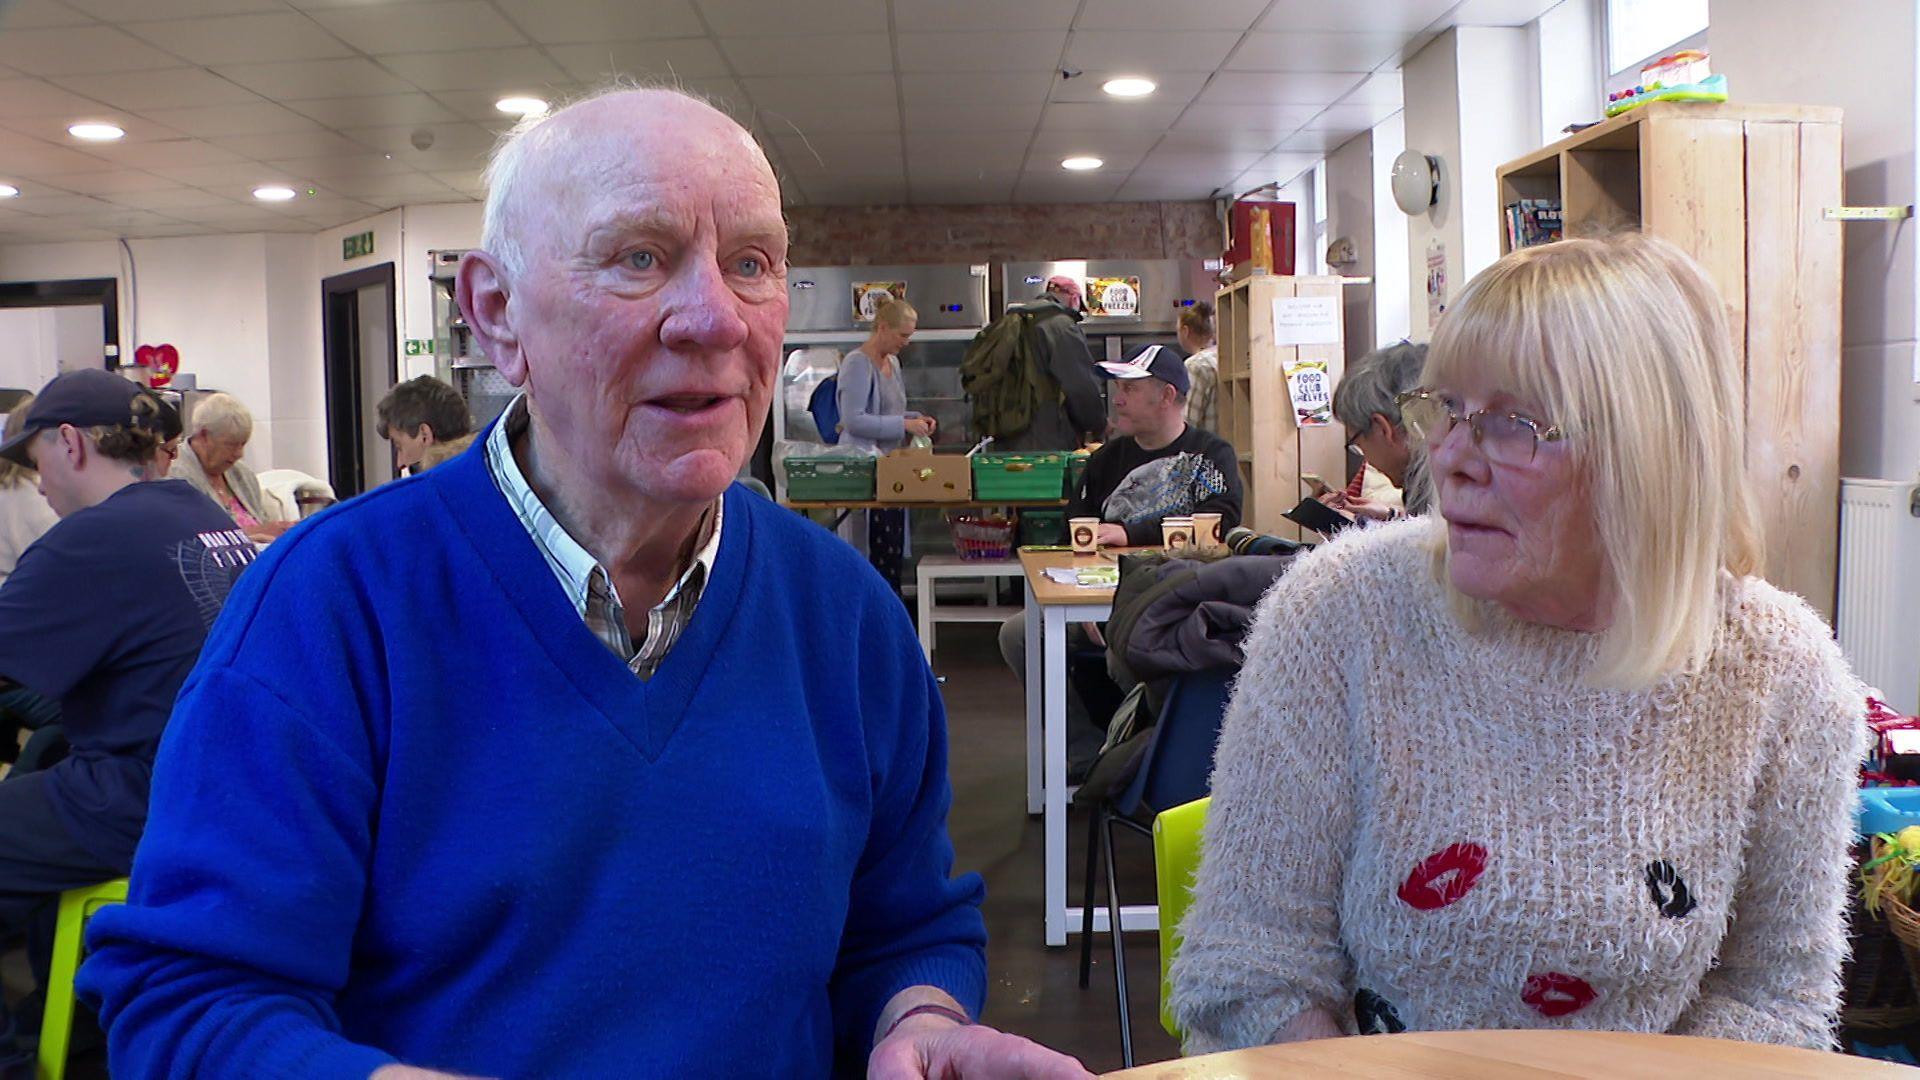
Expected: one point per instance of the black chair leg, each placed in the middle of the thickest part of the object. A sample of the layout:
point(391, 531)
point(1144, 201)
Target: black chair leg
point(1087, 896)
point(1119, 952)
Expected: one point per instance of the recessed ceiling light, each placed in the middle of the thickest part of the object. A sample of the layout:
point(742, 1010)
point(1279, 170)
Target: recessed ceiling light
point(521, 106)
point(273, 193)
point(1081, 164)
point(8, 191)
point(1129, 86)
point(96, 132)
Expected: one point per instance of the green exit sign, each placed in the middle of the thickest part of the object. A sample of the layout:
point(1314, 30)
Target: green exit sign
point(419, 347)
point(355, 247)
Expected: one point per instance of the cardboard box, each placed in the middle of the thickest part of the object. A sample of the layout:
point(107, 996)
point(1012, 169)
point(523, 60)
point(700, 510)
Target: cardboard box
point(922, 476)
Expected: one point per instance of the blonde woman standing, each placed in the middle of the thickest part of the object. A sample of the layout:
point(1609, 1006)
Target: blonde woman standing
point(24, 513)
point(874, 416)
point(1563, 760)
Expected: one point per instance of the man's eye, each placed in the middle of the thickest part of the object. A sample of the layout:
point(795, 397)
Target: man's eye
point(750, 266)
point(641, 260)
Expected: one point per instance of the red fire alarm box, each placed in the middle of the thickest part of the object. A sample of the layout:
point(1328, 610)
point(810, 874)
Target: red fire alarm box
point(1240, 219)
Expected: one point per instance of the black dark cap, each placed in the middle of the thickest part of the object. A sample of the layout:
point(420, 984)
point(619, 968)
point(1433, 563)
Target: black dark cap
point(90, 397)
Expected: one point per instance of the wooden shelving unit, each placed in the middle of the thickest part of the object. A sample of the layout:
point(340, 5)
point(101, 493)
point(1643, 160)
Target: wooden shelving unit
point(1743, 189)
point(1256, 414)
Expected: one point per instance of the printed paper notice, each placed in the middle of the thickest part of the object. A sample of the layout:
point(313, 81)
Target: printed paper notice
point(1311, 389)
point(1306, 320)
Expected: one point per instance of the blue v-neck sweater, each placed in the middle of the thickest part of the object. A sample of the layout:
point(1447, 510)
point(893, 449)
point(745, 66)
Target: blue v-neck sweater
point(409, 808)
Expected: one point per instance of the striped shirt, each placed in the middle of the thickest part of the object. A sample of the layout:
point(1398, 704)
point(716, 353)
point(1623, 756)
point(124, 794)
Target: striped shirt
point(586, 582)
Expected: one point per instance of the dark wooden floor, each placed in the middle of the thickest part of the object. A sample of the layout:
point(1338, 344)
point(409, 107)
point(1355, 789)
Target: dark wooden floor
point(1031, 989)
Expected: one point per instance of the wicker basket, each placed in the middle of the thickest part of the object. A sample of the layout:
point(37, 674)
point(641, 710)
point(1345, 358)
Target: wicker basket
point(1881, 972)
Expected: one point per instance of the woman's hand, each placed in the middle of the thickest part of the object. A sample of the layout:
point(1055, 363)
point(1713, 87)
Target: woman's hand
point(1309, 1025)
point(920, 425)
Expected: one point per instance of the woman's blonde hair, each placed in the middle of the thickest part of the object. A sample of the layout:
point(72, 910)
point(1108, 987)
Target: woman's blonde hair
point(894, 315)
point(222, 416)
point(1623, 343)
point(11, 475)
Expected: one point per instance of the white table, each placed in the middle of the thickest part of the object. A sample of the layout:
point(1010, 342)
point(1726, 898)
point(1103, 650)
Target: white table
point(1051, 608)
point(933, 568)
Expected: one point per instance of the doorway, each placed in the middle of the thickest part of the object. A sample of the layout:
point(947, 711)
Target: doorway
point(55, 326)
point(362, 364)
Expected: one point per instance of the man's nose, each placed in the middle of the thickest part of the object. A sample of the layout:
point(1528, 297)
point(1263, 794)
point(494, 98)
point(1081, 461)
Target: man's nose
point(702, 312)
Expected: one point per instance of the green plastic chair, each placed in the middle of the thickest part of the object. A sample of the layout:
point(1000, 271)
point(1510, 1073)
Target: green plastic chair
point(69, 942)
point(1176, 855)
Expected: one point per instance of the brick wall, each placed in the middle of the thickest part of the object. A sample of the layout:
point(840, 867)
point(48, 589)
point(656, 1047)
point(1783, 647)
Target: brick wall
point(874, 235)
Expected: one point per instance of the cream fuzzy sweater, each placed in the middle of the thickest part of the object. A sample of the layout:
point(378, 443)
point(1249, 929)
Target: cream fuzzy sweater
point(1415, 826)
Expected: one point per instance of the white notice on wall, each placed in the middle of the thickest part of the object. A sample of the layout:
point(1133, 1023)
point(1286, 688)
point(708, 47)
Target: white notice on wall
point(1306, 320)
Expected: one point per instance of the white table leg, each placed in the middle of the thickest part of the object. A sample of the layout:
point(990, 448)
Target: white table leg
point(1054, 727)
point(1035, 697)
point(923, 599)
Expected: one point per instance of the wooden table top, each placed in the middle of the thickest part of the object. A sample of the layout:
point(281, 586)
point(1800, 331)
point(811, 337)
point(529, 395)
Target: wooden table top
point(1492, 1055)
point(1050, 592)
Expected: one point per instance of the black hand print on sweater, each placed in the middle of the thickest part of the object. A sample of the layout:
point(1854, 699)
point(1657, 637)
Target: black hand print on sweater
point(1374, 1014)
point(1669, 890)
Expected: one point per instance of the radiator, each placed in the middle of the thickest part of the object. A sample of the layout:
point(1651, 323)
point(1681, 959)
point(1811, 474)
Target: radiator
point(1879, 609)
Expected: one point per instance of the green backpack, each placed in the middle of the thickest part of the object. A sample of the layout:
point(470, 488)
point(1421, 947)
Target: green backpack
point(1002, 373)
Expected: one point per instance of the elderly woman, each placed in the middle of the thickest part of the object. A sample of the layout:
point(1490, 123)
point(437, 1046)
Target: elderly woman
point(221, 427)
point(1551, 757)
point(24, 513)
point(1367, 404)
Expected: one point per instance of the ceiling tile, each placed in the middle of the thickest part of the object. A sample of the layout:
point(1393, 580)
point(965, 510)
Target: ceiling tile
point(248, 172)
point(728, 17)
point(173, 88)
point(1317, 142)
point(842, 54)
point(727, 95)
point(1149, 51)
point(448, 27)
point(822, 91)
point(961, 117)
point(241, 39)
point(602, 20)
point(1374, 16)
point(234, 216)
point(877, 118)
point(469, 105)
point(844, 155)
point(964, 192)
point(292, 144)
point(293, 80)
point(1351, 116)
point(1275, 120)
point(39, 159)
point(1121, 151)
point(325, 169)
point(1156, 188)
point(1498, 12)
point(1175, 87)
point(53, 129)
point(1277, 167)
point(402, 186)
point(76, 49)
point(857, 193)
point(37, 97)
point(482, 69)
point(1276, 88)
point(257, 118)
point(1224, 164)
point(177, 198)
point(443, 159)
point(37, 14)
point(997, 50)
point(374, 111)
point(1065, 188)
point(1379, 89)
point(115, 183)
point(960, 151)
point(174, 153)
point(125, 10)
point(473, 182)
point(911, 16)
point(686, 58)
point(43, 203)
point(117, 219)
point(965, 90)
point(1160, 15)
point(1109, 116)
point(331, 221)
point(1315, 51)
point(1239, 140)
point(399, 140)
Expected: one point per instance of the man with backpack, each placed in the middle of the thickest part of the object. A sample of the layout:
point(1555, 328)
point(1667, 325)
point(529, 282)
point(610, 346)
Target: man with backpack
point(1030, 376)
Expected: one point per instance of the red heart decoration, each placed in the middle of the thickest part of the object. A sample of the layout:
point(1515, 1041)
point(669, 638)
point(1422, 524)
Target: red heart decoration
point(166, 361)
point(143, 356)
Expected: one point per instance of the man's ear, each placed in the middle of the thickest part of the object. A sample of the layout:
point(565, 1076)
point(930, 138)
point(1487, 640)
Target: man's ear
point(73, 443)
point(483, 289)
point(425, 434)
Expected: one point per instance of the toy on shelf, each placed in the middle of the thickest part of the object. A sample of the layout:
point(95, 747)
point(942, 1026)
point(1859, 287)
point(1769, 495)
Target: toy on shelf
point(1683, 76)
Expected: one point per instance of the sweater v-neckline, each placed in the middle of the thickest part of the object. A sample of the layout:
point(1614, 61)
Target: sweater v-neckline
point(646, 712)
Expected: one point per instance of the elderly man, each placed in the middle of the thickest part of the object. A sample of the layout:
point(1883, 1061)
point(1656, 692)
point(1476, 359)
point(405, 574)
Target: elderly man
point(567, 758)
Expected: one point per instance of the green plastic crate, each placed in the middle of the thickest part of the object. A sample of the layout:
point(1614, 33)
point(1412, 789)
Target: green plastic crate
point(1076, 468)
point(830, 478)
point(1019, 477)
point(1043, 528)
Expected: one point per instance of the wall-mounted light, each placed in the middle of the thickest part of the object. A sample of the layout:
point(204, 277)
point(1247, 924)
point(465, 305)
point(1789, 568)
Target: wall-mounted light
point(1416, 181)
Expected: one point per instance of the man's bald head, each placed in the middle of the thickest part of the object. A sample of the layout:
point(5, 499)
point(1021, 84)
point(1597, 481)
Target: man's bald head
point(587, 142)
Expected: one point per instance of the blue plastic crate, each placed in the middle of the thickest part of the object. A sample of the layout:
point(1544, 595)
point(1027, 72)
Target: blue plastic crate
point(1888, 809)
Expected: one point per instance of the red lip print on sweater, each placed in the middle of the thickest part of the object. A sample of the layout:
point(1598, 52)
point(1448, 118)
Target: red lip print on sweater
point(1554, 994)
point(1444, 876)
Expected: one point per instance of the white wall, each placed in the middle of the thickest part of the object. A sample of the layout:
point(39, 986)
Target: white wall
point(1762, 47)
point(1430, 85)
point(1349, 190)
point(297, 398)
point(1392, 287)
point(31, 356)
point(1496, 126)
point(1567, 68)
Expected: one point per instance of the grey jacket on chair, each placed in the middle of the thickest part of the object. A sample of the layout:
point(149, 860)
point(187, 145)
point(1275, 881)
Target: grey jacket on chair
point(246, 487)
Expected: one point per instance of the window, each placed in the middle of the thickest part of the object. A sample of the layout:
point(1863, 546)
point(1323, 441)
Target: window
point(1642, 30)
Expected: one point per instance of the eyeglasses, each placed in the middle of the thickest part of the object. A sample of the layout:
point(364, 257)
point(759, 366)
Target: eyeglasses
point(1506, 438)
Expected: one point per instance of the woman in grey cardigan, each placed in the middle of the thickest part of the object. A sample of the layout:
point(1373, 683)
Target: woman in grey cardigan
point(874, 416)
point(1553, 756)
point(221, 427)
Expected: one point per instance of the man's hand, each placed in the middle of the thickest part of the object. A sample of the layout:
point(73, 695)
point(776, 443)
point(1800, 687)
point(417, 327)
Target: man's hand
point(1111, 535)
point(408, 1072)
point(928, 1047)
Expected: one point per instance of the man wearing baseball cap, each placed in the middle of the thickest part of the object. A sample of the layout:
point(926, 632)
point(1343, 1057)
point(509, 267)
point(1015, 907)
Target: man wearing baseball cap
point(105, 613)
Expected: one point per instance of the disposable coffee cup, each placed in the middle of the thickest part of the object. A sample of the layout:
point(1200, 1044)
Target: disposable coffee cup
point(1206, 532)
point(1176, 533)
point(1085, 534)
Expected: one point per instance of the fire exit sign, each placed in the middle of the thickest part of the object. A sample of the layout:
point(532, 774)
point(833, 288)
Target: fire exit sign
point(357, 246)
